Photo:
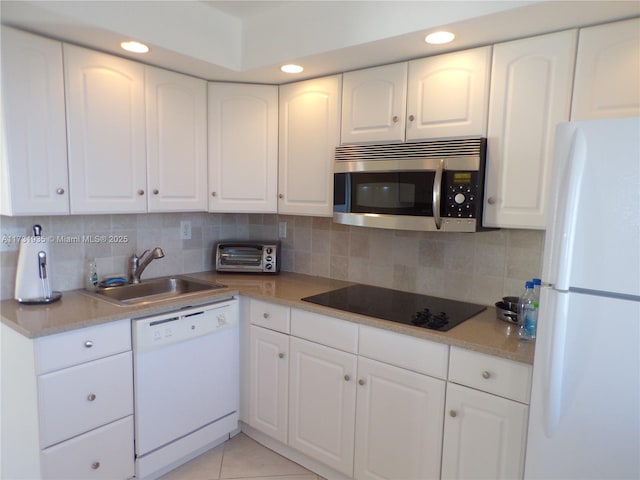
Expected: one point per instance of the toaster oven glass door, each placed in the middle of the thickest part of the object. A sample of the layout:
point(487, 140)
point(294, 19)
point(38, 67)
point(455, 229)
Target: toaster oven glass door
point(241, 256)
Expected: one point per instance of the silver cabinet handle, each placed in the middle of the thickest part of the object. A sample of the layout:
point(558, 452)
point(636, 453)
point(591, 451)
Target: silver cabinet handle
point(280, 196)
point(491, 201)
point(453, 413)
point(95, 465)
point(486, 374)
point(91, 397)
point(60, 191)
point(361, 381)
point(395, 119)
point(140, 192)
point(156, 191)
point(411, 118)
point(213, 194)
point(281, 355)
point(265, 315)
point(88, 344)
point(347, 378)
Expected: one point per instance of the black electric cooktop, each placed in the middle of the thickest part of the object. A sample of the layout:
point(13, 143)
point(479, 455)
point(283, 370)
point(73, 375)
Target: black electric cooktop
point(402, 307)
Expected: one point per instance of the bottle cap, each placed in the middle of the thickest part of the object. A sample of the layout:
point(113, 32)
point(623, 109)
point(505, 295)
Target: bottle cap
point(528, 284)
point(537, 281)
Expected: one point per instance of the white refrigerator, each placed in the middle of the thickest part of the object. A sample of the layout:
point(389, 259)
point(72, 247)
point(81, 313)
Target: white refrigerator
point(585, 407)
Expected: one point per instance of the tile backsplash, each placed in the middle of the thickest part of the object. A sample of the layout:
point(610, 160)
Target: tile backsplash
point(480, 267)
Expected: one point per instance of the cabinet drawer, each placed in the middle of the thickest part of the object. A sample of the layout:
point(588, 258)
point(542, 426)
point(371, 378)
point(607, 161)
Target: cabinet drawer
point(77, 399)
point(492, 374)
point(325, 330)
point(403, 351)
point(83, 345)
point(269, 315)
point(104, 453)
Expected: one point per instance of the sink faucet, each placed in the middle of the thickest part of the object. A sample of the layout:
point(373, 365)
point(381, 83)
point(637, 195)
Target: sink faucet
point(138, 264)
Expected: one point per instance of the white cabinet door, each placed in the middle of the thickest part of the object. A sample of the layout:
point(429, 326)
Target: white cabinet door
point(607, 81)
point(309, 131)
point(269, 382)
point(448, 95)
point(322, 402)
point(106, 132)
point(34, 157)
point(176, 127)
point(243, 148)
point(484, 435)
point(399, 419)
point(374, 101)
point(530, 93)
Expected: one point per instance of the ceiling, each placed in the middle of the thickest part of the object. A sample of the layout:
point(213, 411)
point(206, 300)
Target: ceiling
point(247, 41)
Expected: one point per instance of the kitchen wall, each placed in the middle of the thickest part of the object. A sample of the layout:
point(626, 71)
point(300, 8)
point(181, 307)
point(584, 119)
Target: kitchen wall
point(480, 267)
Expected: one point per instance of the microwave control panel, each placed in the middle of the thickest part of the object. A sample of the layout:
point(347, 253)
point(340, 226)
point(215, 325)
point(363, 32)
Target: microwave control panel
point(460, 195)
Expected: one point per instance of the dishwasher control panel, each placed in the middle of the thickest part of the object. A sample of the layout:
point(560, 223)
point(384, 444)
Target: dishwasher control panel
point(162, 330)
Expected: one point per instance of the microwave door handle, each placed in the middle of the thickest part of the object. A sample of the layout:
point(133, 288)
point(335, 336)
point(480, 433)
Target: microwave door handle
point(437, 187)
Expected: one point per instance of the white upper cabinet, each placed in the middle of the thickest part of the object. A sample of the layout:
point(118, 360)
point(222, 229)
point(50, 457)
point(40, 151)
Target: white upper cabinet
point(176, 128)
point(34, 156)
point(607, 80)
point(530, 93)
point(309, 131)
point(448, 95)
point(243, 148)
point(374, 102)
point(106, 132)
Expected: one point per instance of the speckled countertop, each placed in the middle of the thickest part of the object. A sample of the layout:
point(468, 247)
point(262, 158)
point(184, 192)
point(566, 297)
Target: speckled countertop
point(482, 333)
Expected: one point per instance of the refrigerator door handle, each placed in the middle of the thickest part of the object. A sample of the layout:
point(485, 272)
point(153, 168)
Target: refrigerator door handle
point(555, 305)
point(568, 200)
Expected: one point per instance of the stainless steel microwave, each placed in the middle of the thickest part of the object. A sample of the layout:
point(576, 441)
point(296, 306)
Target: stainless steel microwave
point(430, 186)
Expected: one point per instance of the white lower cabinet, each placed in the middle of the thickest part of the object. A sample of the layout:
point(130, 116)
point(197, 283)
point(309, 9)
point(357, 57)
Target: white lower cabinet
point(484, 435)
point(269, 382)
point(103, 453)
point(322, 402)
point(398, 423)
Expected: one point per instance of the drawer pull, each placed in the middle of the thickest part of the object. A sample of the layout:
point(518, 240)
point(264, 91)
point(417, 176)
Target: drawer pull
point(265, 315)
point(88, 344)
point(91, 397)
point(486, 374)
point(95, 465)
point(361, 381)
point(281, 355)
point(347, 378)
point(453, 413)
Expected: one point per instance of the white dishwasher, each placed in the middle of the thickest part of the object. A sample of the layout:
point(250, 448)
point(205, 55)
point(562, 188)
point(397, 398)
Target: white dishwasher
point(186, 384)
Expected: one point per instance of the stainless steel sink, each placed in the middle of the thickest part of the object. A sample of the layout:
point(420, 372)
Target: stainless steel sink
point(153, 290)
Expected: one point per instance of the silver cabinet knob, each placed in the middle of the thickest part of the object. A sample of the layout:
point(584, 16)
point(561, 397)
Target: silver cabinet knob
point(140, 192)
point(265, 315)
point(88, 344)
point(280, 196)
point(213, 194)
point(95, 465)
point(60, 191)
point(156, 191)
point(281, 355)
point(91, 397)
point(491, 201)
point(347, 378)
point(361, 381)
point(411, 118)
point(395, 119)
point(486, 374)
point(453, 413)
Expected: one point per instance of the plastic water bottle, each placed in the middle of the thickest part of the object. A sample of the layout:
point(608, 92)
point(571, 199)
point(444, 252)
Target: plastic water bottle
point(91, 276)
point(527, 314)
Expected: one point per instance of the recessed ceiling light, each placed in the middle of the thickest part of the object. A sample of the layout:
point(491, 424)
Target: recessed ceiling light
point(291, 68)
point(135, 47)
point(438, 38)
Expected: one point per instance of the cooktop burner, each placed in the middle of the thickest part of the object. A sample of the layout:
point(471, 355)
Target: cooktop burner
point(402, 307)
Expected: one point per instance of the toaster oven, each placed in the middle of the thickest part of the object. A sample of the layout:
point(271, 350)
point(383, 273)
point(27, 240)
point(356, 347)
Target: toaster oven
point(248, 257)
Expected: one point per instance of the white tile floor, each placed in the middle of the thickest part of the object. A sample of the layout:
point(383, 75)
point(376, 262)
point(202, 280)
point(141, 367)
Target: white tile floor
point(240, 458)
